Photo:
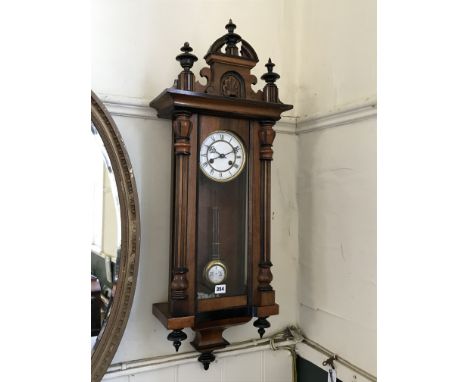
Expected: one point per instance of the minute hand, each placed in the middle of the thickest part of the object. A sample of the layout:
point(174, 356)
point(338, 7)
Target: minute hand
point(221, 155)
point(230, 152)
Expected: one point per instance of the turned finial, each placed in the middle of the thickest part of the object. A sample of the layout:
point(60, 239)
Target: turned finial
point(186, 78)
point(230, 26)
point(270, 91)
point(186, 58)
point(231, 39)
point(270, 77)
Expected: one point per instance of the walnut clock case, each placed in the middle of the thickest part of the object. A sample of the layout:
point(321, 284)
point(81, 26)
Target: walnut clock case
point(222, 151)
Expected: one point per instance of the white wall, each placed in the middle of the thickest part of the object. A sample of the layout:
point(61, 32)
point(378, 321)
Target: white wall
point(134, 42)
point(337, 50)
point(337, 240)
point(337, 176)
point(258, 366)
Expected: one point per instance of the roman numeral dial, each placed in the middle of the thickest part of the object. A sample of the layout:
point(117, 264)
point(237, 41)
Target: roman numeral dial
point(222, 156)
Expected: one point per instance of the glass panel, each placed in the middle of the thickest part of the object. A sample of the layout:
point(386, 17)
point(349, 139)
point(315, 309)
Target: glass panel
point(105, 237)
point(222, 222)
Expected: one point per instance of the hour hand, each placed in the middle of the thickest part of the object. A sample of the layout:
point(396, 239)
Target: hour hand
point(212, 159)
point(213, 150)
point(221, 155)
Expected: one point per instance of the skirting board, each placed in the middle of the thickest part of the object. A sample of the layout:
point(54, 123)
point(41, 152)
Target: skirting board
point(138, 108)
point(303, 349)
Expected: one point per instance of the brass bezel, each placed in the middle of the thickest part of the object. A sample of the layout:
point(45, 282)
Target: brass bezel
point(211, 264)
point(243, 163)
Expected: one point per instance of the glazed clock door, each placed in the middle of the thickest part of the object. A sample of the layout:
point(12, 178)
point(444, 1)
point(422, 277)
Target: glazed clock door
point(222, 221)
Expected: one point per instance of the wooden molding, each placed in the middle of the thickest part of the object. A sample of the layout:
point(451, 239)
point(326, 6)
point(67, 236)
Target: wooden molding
point(126, 107)
point(347, 116)
point(130, 108)
point(162, 312)
point(173, 99)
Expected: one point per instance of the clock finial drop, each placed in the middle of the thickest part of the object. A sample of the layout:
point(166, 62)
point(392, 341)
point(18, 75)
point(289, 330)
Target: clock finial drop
point(177, 336)
point(230, 26)
point(270, 91)
point(186, 59)
point(231, 39)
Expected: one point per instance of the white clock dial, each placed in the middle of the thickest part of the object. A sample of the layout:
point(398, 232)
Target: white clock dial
point(216, 274)
point(222, 156)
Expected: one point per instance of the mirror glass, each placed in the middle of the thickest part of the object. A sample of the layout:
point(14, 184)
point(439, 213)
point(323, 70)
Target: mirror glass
point(105, 236)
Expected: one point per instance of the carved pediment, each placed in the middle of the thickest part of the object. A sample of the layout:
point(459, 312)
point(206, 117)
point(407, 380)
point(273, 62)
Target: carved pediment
point(230, 40)
point(229, 71)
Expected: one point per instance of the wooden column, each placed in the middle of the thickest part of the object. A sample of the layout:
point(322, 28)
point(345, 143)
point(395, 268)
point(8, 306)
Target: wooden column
point(182, 127)
point(267, 136)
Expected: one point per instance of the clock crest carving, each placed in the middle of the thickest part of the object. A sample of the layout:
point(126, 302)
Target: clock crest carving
point(220, 268)
point(232, 86)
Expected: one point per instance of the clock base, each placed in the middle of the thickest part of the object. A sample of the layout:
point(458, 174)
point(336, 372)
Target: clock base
point(261, 323)
point(209, 339)
point(172, 322)
point(209, 336)
point(177, 336)
point(206, 359)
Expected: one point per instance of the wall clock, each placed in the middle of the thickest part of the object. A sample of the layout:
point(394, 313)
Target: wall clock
point(222, 150)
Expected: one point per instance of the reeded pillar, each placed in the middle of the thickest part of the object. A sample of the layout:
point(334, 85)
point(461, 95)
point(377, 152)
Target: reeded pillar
point(267, 136)
point(182, 127)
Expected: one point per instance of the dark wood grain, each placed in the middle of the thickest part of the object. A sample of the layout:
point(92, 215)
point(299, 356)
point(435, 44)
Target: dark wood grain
point(182, 128)
point(226, 102)
point(173, 99)
point(231, 199)
point(162, 312)
point(265, 311)
point(209, 339)
point(264, 277)
point(211, 304)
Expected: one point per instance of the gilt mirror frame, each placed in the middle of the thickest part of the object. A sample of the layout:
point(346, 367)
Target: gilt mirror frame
point(114, 325)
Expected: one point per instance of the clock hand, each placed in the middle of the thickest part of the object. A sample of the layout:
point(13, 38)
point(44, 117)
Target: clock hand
point(224, 155)
point(220, 155)
point(211, 160)
point(230, 152)
point(214, 151)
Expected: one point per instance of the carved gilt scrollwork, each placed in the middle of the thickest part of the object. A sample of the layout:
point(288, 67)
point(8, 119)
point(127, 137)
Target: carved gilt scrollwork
point(114, 326)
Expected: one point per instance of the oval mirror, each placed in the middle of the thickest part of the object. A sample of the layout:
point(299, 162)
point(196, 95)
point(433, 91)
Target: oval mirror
point(115, 238)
